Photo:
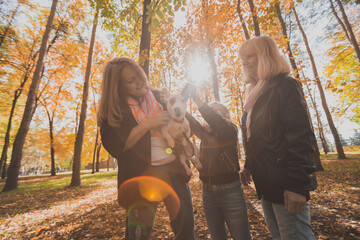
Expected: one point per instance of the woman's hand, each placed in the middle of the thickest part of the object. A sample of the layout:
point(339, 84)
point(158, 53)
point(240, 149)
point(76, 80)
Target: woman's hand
point(245, 176)
point(157, 120)
point(294, 203)
point(164, 94)
point(193, 93)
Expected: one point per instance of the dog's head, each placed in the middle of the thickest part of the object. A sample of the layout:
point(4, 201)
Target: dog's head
point(176, 104)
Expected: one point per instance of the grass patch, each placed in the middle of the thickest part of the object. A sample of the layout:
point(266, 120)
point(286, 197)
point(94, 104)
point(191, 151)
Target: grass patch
point(334, 156)
point(38, 183)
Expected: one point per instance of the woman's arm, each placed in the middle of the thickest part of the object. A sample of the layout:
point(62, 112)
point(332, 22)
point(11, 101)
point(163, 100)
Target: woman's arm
point(298, 135)
point(140, 130)
point(195, 126)
point(300, 152)
point(216, 122)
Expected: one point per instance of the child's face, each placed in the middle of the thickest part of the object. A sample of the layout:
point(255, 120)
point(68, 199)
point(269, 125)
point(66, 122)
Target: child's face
point(132, 83)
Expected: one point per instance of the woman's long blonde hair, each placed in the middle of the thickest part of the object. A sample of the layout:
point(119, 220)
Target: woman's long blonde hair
point(109, 103)
point(270, 61)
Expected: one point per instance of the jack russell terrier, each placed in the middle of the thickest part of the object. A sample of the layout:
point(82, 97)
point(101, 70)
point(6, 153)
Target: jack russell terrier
point(178, 128)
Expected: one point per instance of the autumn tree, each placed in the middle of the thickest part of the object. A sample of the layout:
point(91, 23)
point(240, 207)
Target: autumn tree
point(243, 24)
point(343, 68)
point(75, 180)
point(13, 172)
point(333, 129)
point(320, 88)
point(346, 26)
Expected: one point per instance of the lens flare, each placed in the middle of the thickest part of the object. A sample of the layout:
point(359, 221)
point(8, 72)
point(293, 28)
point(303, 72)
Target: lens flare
point(144, 190)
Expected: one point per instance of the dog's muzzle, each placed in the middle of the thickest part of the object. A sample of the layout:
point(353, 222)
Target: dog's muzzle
point(177, 112)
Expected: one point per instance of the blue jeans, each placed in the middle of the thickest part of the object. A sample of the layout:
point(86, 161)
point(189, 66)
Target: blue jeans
point(287, 227)
point(225, 203)
point(144, 214)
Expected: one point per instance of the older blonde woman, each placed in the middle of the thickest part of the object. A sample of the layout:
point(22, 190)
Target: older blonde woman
point(129, 116)
point(279, 150)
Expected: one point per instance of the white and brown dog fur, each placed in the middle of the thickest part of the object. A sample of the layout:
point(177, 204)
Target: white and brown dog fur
point(178, 129)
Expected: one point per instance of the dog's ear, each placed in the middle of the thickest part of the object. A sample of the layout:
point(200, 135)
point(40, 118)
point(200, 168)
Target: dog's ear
point(186, 91)
point(164, 95)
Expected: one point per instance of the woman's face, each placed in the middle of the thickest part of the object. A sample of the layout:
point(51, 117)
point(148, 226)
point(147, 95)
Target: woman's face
point(132, 83)
point(250, 65)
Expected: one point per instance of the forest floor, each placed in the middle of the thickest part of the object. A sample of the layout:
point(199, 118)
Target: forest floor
point(45, 208)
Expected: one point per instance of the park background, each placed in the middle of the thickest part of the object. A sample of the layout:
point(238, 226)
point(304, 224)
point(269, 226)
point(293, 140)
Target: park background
point(51, 58)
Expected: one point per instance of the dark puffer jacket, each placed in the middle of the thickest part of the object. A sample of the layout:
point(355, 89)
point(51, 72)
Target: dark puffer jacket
point(279, 153)
point(218, 148)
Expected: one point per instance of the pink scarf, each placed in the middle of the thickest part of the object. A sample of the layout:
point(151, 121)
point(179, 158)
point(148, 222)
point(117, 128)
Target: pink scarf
point(253, 94)
point(146, 107)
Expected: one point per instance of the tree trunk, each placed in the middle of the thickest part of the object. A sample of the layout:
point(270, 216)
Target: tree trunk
point(214, 74)
point(52, 149)
point(288, 47)
point(246, 32)
point(144, 58)
point(13, 172)
point(320, 126)
point(75, 179)
point(350, 31)
point(98, 158)
point(316, 159)
point(7, 136)
point(339, 20)
point(296, 74)
point(2, 38)
point(108, 162)
point(95, 146)
point(317, 79)
point(254, 17)
point(333, 129)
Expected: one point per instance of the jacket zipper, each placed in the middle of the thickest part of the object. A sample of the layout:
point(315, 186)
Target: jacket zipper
point(270, 124)
point(229, 160)
point(209, 171)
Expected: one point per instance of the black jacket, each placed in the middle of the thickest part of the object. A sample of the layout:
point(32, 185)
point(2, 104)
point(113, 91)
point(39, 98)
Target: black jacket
point(280, 151)
point(218, 148)
point(135, 161)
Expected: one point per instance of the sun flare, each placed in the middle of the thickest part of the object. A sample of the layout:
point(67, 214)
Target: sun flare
point(198, 71)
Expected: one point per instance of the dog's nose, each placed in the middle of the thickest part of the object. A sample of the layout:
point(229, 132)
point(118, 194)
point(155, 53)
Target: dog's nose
point(177, 111)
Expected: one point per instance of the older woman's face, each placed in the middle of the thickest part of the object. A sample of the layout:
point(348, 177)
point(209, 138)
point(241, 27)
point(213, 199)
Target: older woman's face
point(250, 64)
point(132, 83)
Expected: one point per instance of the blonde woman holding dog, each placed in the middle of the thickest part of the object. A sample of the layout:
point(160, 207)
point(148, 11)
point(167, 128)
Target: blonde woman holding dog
point(279, 144)
point(223, 197)
point(129, 117)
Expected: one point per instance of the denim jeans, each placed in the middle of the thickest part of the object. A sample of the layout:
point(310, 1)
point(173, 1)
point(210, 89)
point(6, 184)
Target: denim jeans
point(182, 225)
point(287, 227)
point(225, 203)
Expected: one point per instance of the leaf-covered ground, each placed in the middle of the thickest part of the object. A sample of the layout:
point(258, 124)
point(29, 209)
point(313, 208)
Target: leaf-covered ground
point(45, 208)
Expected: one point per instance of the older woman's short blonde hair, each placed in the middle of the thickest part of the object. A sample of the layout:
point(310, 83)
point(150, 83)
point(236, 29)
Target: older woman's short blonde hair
point(221, 109)
point(109, 102)
point(270, 60)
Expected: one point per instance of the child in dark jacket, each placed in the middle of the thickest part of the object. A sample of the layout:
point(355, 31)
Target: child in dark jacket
point(223, 197)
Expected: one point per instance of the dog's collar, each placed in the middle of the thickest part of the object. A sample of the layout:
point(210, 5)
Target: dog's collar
point(178, 121)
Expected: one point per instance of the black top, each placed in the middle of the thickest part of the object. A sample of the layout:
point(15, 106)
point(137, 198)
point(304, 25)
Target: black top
point(218, 148)
point(280, 150)
point(136, 160)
